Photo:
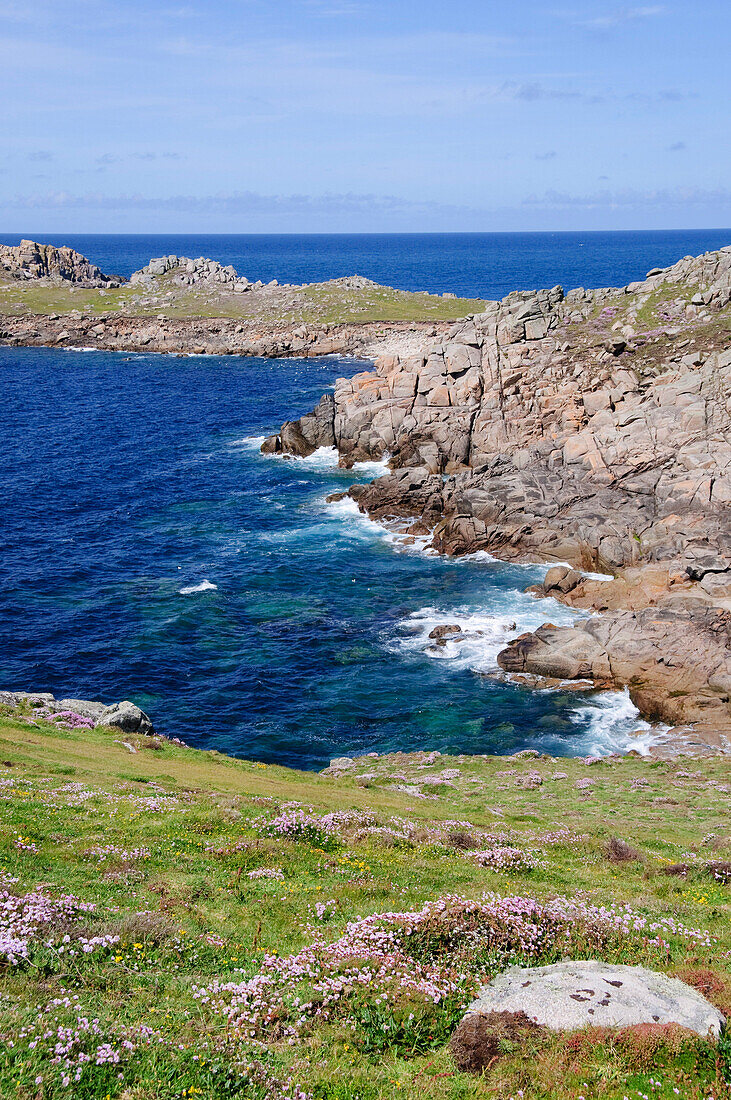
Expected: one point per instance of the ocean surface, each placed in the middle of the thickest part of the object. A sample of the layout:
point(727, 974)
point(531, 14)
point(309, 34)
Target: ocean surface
point(480, 265)
point(149, 551)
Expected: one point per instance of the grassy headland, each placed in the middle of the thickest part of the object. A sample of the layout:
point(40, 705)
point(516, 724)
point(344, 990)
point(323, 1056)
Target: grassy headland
point(228, 950)
point(316, 303)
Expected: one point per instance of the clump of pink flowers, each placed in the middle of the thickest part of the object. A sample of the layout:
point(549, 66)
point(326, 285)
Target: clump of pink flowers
point(324, 910)
point(266, 872)
point(73, 1046)
point(31, 918)
point(505, 857)
point(25, 844)
point(69, 719)
point(315, 829)
point(431, 954)
point(111, 851)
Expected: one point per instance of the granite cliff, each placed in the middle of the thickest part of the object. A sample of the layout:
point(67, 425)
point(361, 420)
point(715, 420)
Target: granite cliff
point(30, 260)
point(591, 428)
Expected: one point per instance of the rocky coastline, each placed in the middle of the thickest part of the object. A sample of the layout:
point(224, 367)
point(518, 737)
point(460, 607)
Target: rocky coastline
point(54, 297)
point(591, 429)
point(212, 336)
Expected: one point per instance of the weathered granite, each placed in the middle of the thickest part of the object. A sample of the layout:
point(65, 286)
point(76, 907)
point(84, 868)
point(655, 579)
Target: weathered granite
point(560, 427)
point(570, 995)
point(30, 260)
point(125, 716)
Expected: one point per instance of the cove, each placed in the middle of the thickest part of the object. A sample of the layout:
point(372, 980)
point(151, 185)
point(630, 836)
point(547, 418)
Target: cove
point(150, 552)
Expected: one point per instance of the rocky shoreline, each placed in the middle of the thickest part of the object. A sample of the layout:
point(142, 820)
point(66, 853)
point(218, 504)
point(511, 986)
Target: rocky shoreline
point(592, 429)
point(213, 336)
point(589, 428)
point(54, 297)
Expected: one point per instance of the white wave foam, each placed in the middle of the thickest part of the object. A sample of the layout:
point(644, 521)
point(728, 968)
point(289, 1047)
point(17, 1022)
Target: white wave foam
point(348, 512)
point(324, 458)
point(204, 586)
point(613, 724)
point(484, 631)
point(251, 442)
point(376, 467)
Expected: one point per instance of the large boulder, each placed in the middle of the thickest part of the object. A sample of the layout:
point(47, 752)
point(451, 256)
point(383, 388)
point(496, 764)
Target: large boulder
point(127, 717)
point(570, 995)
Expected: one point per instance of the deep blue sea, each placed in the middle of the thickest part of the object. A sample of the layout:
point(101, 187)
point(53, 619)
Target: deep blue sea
point(481, 265)
point(149, 551)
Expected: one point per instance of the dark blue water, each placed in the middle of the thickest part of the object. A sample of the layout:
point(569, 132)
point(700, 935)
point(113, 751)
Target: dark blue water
point(149, 551)
point(483, 265)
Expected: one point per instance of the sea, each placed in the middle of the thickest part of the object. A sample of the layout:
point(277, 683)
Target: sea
point(149, 551)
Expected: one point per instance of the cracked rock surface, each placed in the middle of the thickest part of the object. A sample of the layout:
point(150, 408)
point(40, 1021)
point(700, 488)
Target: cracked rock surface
point(592, 429)
point(571, 995)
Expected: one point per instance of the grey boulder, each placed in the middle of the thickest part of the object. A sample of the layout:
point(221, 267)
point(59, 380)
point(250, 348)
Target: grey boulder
point(127, 717)
point(571, 995)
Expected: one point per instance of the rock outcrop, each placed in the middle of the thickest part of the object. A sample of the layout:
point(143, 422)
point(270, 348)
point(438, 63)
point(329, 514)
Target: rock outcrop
point(125, 716)
point(570, 995)
point(200, 272)
point(30, 260)
point(591, 428)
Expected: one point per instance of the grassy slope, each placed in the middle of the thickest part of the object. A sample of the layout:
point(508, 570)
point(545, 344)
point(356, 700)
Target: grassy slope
point(65, 792)
point(320, 303)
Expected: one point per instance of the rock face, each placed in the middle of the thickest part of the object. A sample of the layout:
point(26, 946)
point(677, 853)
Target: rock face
point(125, 716)
point(572, 995)
point(591, 428)
point(185, 272)
point(676, 658)
point(30, 260)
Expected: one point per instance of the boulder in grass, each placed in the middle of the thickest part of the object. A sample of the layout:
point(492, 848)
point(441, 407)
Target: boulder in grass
point(571, 995)
point(126, 717)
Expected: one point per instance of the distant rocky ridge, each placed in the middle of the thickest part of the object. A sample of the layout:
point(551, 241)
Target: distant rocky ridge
point(592, 428)
point(195, 272)
point(155, 311)
point(30, 260)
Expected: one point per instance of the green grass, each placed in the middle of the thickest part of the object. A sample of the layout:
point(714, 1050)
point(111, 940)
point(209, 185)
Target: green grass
point(648, 314)
point(320, 303)
point(188, 914)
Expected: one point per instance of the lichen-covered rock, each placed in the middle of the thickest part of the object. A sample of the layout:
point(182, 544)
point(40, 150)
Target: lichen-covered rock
point(30, 260)
point(571, 995)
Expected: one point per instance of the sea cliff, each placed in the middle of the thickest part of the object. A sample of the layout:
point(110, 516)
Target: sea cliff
point(591, 428)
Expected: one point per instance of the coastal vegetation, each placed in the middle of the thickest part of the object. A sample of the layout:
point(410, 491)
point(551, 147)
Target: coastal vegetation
point(175, 922)
point(316, 303)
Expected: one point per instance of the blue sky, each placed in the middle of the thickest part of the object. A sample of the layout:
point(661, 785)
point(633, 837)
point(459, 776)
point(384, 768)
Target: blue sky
point(363, 115)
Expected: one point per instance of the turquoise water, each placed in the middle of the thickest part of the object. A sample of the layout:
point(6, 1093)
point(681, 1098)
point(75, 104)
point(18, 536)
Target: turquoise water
point(149, 551)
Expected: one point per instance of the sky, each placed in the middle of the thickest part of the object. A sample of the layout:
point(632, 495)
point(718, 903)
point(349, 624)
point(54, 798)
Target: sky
point(363, 115)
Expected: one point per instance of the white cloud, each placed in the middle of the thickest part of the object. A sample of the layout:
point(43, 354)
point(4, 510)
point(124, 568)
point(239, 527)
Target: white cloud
point(611, 200)
point(615, 18)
